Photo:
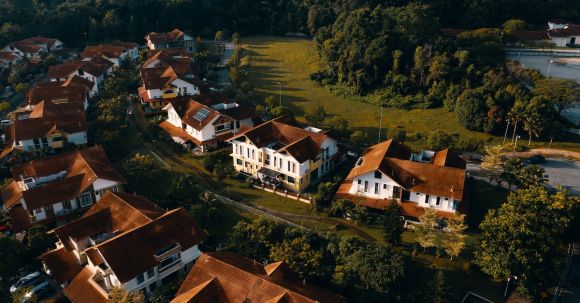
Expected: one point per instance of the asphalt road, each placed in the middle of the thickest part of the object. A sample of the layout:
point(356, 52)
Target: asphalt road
point(563, 172)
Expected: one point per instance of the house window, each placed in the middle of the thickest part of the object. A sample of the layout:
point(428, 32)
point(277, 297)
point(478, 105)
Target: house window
point(426, 199)
point(376, 188)
point(81, 73)
point(167, 262)
point(239, 162)
point(85, 199)
point(37, 211)
point(291, 180)
point(378, 174)
point(150, 273)
point(366, 186)
point(140, 279)
point(288, 165)
point(438, 201)
point(359, 181)
point(384, 186)
point(267, 159)
point(66, 204)
point(293, 167)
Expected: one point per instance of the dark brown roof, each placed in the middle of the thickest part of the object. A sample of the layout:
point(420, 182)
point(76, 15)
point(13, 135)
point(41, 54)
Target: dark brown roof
point(57, 93)
point(78, 80)
point(109, 51)
point(82, 168)
point(41, 127)
point(81, 289)
point(113, 212)
point(64, 70)
point(569, 30)
point(298, 142)
point(97, 66)
point(179, 61)
point(393, 160)
point(449, 159)
point(171, 36)
point(227, 277)
point(63, 264)
point(531, 35)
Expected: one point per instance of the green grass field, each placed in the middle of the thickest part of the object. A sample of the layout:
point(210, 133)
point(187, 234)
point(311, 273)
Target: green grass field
point(271, 61)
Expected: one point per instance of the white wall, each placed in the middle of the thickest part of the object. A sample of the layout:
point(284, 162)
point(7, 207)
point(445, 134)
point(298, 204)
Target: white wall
point(385, 186)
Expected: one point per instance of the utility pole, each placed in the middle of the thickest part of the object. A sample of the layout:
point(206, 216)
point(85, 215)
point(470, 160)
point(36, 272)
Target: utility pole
point(380, 124)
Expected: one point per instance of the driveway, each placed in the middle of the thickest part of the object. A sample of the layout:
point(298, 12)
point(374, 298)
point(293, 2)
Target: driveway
point(563, 172)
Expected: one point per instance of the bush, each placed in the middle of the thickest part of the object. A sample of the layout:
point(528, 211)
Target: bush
point(398, 134)
point(439, 140)
point(340, 208)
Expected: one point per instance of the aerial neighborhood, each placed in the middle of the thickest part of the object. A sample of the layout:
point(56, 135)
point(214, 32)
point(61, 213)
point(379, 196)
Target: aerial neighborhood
point(343, 151)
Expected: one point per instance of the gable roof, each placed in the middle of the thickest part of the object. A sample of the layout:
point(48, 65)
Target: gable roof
point(227, 277)
point(178, 59)
point(569, 30)
point(109, 51)
point(97, 66)
point(82, 288)
point(81, 168)
point(171, 36)
point(64, 70)
point(57, 93)
point(444, 176)
point(284, 135)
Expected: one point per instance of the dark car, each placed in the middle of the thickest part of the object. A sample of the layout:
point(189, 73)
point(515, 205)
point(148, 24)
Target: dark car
point(539, 159)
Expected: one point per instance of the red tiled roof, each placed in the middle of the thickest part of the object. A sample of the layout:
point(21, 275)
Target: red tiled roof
point(109, 51)
point(226, 277)
point(171, 36)
point(178, 132)
point(64, 70)
point(57, 93)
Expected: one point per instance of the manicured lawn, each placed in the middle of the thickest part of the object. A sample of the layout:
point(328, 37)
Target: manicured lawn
point(290, 61)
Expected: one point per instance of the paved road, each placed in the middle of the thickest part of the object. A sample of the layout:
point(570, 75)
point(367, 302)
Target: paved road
point(563, 172)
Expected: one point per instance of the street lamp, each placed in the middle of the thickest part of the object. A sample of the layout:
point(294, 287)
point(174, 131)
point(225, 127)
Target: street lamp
point(508, 283)
point(549, 65)
point(516, 143)
point(506, 130)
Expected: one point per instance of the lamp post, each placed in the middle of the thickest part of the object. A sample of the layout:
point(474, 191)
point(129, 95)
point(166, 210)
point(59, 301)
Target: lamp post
point(508, 284)
point(506, 130)
point(549, 65)
point(516, 144)
point(380, 124)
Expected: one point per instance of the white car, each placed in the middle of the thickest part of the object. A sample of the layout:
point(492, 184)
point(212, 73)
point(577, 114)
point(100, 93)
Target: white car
point(30, 280)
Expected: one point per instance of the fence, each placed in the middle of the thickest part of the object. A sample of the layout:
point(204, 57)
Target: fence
point(285, 193)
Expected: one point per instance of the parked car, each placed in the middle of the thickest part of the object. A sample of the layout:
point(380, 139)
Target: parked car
point(538, 159)
point(30, 280)
point(5, 122)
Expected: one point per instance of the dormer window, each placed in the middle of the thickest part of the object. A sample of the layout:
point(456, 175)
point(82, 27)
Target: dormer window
point(359, 162)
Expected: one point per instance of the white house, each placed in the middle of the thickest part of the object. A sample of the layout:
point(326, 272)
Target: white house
point(280, 153)
point(161, 84)
point(48, 190)
point(115, 52)
point(94, 70)
point(564, 34)
point(173, 39)
point(204, 121)
point(390, 173)
point(124, 240)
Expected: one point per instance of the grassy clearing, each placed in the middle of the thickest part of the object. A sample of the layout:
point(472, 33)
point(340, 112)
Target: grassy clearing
point(272, 61)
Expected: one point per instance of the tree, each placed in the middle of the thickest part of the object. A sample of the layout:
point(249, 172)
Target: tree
point(454, 241)
point(513, 25)
point(300, 254)
point(279, 111)
point(398, 134)
point(339, 125)
point(184, 193)
point(271, 102)
point(393, 224)
point(38, 240)
point(219, 35)
point(427, 232)
point(12, 257)
point(439, 140)
point(24, 294)
point(5, 106)
point(22, 88)
point(438, 291)
point(523, 238)
point(471, 110)
point(492, 161)
point(563, 94)
point(120, 295)
point(532, 176)
point(254, 239)
point(359, 138)
point(315, 114)
point(511, 170)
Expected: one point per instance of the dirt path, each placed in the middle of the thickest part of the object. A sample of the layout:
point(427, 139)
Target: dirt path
point(549, 152)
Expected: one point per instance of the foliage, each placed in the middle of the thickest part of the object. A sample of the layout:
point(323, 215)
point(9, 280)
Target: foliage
point(439, 140)
point(340, 208)
point(454, 237)
point(22, 88)
point(512, 25)
point(184, 193)
point(300, 254)
point(492, 160)
point(437, 291)
point(12, 257)
point(315, 114)
point(219, 163)
point(523, 238)
point(471, 110)
point(532, 176)
point(110, 127)
point(511, 170)
point(563, 94)
point(22, 295)
point(279, 111)
point(120, 295)
point(427, 231)
point(39, 241)
point(393, 224)
point(340, 126)
point(398, 134)
point(359, 138)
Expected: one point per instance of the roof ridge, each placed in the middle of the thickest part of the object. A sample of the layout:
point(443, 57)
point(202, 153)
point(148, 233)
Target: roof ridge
point(131, 206)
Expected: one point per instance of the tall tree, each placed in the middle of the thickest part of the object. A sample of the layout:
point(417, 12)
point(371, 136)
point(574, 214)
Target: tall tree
point(315, 114)
point(427, 232)
point(492, 161)
point(523, 238)
point(454, 237)
point(437, 289)
point(564, 94)
point(393, 224)
point(511, 169)
point(532, 176)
